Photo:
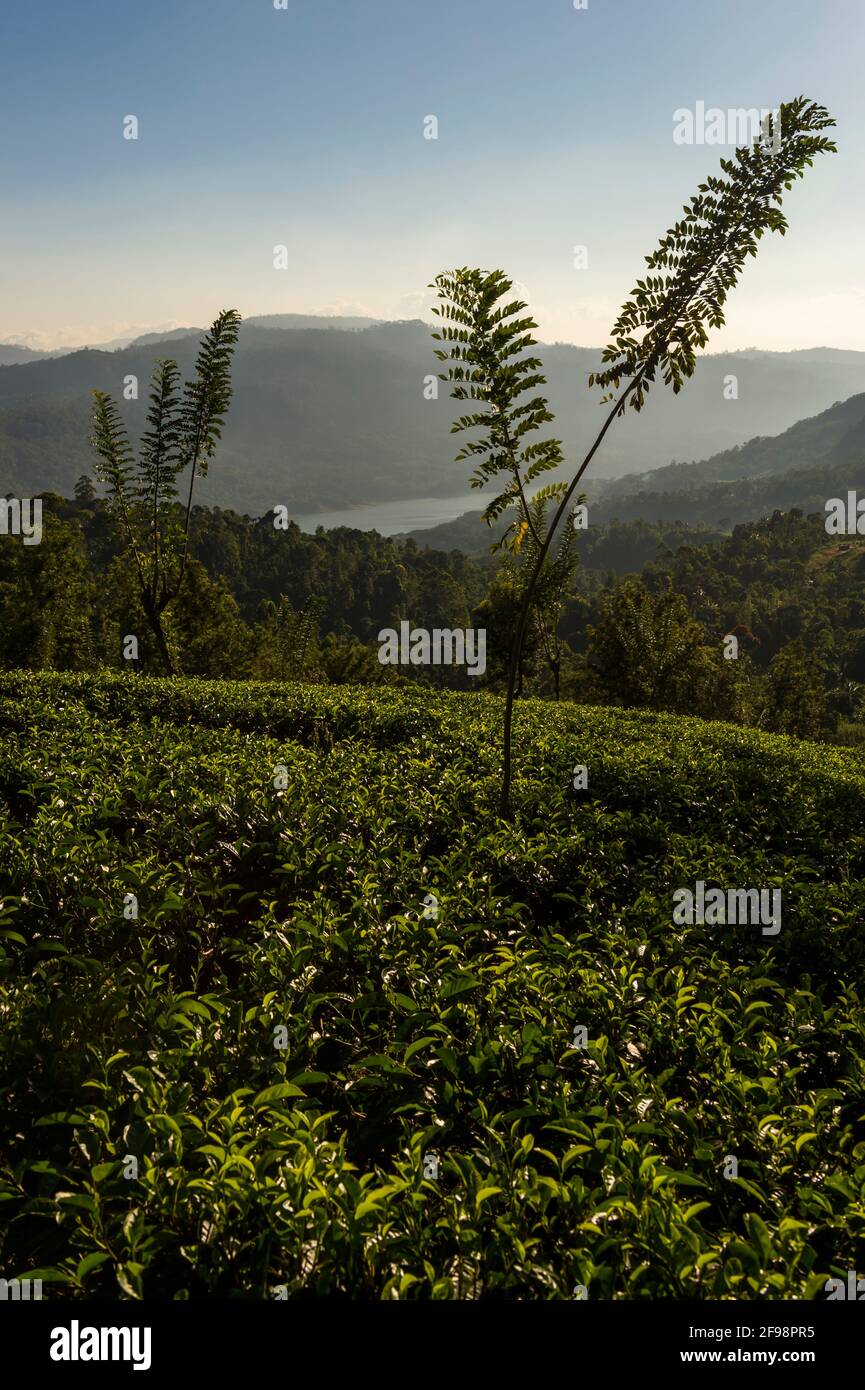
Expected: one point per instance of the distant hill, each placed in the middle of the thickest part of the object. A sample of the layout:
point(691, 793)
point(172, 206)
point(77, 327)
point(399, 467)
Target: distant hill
point(11, 355)
point(815, 459)
point(325, 419)
point(803, 444)
point(146, 339)
point(350, 323)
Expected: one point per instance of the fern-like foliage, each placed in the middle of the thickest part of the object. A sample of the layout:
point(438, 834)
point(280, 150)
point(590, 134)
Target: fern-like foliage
point(160, 462)
point(696, 264)
point(115, 465)
point(297, 635)
point(160, 444)
point(488, 344)
point(207, 397)
point(183, 429)
point(660, 329)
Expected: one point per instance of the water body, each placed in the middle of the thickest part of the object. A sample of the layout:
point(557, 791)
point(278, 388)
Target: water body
point(390, 518)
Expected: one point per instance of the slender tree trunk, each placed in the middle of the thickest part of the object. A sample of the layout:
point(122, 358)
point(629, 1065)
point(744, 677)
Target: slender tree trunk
point(515, 665)
point(154, 617)
point(698, 281)
point(163, 647)
point(519, 637)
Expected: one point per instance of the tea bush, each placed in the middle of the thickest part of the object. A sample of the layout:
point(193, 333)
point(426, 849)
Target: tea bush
point(296, 1073)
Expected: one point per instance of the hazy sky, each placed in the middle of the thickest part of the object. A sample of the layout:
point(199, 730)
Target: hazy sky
point(305, 127)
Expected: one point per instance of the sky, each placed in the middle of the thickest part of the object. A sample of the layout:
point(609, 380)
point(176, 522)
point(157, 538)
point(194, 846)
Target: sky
point(304, 127)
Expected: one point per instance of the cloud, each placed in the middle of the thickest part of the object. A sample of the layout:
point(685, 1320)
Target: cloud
point(87, 335)
point(345, 309)
point(417, 305)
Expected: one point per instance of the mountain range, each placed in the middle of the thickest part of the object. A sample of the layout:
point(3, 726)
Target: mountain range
point(11, 354)
point(337, 415)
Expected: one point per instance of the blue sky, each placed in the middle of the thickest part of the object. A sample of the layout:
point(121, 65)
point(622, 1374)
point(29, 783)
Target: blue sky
point(304, 127)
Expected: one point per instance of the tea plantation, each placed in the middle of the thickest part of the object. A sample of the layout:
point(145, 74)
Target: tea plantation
point(288, 1012)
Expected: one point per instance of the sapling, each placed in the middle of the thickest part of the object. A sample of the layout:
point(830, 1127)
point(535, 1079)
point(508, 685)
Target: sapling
point(184, 427)
point(659, 331)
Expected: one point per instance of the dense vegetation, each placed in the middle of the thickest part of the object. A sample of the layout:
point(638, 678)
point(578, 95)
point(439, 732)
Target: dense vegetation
point(68, 602)
point(280, 604)
point(292, 1027)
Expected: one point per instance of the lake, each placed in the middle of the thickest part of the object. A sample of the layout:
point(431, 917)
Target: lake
point(389, 518)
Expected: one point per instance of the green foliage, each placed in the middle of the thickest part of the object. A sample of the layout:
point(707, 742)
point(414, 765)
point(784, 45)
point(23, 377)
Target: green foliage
point(254, 597)
point(289, 637)
point(660, 328)
point(497, 614)
point(487, 347)
point(67, 604)
point(797, 692)
point(667, 320)
point(646, 649)
point(488, 343)
point(207, 396)
point(182, 434)
point(47, 594)
point(342, 661)
point(116, 461)
point(302, 908)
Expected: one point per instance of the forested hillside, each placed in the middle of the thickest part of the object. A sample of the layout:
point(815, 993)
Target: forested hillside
point(817, 458)
point(324, 418)
point(814, 460)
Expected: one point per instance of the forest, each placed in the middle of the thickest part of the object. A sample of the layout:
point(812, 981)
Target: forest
point(643, 624)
